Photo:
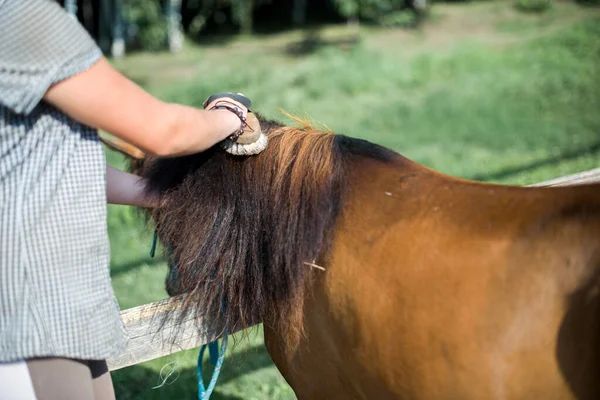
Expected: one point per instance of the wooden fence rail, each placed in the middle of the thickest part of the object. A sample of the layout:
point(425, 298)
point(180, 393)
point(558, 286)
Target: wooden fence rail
point(149, 339)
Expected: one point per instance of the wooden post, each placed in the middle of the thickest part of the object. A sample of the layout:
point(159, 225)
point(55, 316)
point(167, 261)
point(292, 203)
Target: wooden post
point(175, 36)
point(111, 27)
point(299, 12)
point(71, 7)
point(105, 26)
point(117, 48)
point(245, 8)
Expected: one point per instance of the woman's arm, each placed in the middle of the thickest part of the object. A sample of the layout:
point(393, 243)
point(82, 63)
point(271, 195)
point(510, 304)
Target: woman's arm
point(103, 98)
point(124, 188)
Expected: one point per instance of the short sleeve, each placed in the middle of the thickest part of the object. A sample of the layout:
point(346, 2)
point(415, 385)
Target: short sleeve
point(41, 44)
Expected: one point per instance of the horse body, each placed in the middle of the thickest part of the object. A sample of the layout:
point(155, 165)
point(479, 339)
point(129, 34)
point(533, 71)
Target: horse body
point(433, 287)
point(438, 288)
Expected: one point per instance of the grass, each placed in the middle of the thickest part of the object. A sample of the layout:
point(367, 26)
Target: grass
point(482, 92)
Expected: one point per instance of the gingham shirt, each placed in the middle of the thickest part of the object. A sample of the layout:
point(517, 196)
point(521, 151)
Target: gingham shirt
point(56, 297)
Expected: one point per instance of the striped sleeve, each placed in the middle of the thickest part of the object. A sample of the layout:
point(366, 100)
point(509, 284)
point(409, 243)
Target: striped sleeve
point(41, 45)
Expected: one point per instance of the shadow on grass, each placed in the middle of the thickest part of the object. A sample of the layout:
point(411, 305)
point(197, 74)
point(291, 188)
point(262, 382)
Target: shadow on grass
point(313, 41)
point(566, 156)
point(137, 382)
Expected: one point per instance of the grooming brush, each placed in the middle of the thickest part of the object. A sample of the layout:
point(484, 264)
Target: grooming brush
point(252, 140)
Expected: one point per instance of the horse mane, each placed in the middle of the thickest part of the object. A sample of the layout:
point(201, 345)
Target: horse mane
point(242, 232)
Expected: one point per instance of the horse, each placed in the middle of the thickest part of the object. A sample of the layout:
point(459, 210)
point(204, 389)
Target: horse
point(378, 278)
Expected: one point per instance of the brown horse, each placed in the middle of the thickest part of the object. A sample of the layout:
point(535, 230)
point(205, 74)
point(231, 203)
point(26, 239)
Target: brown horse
point(377, 278)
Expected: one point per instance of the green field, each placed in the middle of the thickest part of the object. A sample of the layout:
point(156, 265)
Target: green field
point(480, 92)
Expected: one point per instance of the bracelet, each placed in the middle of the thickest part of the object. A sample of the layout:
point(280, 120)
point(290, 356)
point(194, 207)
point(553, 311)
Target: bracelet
point(235, 135)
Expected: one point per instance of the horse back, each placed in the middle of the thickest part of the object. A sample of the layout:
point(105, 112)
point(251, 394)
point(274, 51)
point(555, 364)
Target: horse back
point(442, 288)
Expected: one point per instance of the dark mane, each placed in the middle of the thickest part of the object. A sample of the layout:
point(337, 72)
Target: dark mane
point(243, 228)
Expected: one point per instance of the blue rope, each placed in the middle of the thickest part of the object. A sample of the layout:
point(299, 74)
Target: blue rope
point(216, 355)
point(154, 241)
point(213, 352)
point(203, 392)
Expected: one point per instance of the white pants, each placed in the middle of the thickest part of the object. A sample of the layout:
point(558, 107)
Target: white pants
point(55, 379)
point(15, 382)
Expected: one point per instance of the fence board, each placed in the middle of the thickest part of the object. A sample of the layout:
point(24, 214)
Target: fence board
point(152, 335)
point(591, 176)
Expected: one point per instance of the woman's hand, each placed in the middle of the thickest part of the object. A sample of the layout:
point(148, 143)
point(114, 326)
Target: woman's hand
point(231, 104)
